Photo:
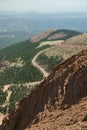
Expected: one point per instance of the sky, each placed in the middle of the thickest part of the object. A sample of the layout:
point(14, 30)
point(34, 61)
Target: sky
point(44, 5)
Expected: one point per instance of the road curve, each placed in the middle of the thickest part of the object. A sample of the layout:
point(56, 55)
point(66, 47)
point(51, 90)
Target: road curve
point(34, 63)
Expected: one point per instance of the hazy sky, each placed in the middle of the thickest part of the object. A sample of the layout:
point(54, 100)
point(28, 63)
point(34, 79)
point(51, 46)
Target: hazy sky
point(44, 5)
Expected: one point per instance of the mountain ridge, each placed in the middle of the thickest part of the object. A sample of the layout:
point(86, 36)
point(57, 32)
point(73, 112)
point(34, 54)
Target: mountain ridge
point(54, 34)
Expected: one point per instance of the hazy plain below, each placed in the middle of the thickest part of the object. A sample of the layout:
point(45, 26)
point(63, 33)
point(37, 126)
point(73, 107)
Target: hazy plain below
point(17, 27)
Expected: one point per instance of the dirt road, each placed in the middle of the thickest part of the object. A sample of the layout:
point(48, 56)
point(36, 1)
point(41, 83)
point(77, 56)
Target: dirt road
point(45, 74)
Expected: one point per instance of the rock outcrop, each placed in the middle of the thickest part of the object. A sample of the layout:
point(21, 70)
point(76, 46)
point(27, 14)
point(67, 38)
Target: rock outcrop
point(64, 87)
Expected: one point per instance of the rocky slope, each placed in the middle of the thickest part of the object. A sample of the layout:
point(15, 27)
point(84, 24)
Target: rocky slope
point(58, 103)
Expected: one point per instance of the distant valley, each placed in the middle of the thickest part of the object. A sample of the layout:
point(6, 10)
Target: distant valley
point(15, 27)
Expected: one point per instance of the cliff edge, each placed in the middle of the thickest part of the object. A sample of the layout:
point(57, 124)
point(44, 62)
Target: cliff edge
point(60, 98)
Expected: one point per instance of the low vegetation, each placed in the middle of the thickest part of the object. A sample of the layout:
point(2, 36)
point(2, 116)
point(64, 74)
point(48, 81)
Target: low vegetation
point(18, 92)
point(27, 73)
point(49, 62)
point(68, 34)
point(3, 96)
point(61, 34)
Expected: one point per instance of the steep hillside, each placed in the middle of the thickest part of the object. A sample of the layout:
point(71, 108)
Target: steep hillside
point(61, 51)
point(59, 102)
point(57, 54)
point(19, 57)
point(20, 68)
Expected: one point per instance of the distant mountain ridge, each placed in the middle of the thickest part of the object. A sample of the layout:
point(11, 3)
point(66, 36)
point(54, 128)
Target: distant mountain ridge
point(50, 35)
point(16, 50)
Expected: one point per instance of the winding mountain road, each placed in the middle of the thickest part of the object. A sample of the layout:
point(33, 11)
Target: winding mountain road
point(6, 87)
point(34, 63)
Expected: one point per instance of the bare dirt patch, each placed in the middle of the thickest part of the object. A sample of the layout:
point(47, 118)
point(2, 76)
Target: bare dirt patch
point(51, 43)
